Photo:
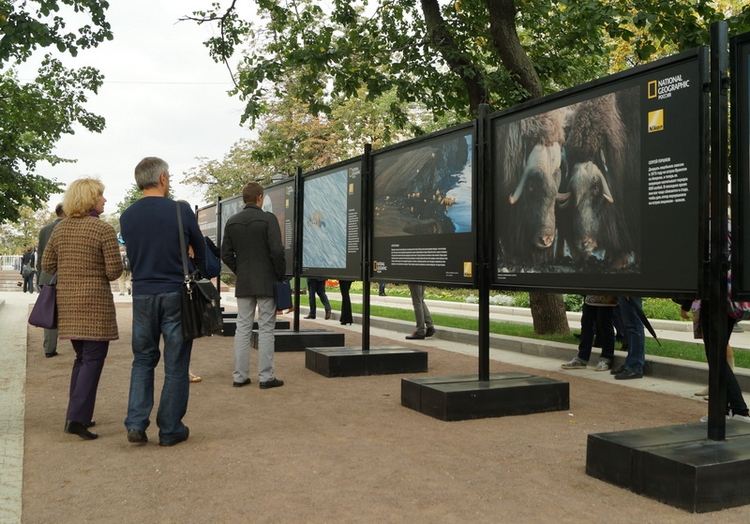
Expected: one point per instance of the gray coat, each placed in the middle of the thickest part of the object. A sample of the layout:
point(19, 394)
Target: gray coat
point(251, 247)
point(44, 235)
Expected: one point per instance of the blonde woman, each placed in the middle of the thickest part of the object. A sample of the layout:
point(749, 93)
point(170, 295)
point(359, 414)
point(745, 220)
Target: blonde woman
point(85, 254)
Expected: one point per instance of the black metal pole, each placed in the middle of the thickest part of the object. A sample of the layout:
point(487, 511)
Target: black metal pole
point(297, 243)
point(366, 225)
point(717, 290)
point(484, 242)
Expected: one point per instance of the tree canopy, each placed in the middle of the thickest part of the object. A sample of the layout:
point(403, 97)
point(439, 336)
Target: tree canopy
point(35, 115)
point(447, 55)
point(29, 25)
point(292, 137)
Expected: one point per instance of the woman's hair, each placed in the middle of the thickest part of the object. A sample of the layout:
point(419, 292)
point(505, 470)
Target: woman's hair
point(148, 170)
point(81, 196)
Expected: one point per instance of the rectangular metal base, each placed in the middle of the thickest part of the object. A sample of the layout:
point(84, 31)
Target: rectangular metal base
point(230, 326)
point(677, 465)
point(302, 339)
point(463, 397)
point(353, 361)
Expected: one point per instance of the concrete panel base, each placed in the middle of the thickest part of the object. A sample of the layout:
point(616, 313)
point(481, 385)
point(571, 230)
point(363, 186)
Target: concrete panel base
point(354, 362)
point(676, 465)
point(302, 339)
point(463, 397)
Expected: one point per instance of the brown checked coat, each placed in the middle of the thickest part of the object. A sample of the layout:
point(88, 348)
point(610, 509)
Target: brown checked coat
point(84, 253)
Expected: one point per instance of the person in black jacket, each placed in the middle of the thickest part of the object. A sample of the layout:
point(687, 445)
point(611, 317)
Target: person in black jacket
point(251, 247)
point(28, 263)
point(50, 335)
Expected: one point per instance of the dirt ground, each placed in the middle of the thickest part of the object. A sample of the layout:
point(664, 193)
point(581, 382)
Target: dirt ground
point(324, 450)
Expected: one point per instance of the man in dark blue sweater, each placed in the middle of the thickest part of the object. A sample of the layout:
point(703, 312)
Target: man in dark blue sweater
point(150, 230)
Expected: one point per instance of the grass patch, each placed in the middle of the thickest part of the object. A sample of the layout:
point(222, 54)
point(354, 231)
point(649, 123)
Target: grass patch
point(668, 348)
point(661, 308)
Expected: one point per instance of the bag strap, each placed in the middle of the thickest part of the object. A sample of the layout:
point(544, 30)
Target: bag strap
point(182, 242)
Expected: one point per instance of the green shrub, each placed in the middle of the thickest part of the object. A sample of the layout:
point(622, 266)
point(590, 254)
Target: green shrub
point(662, 308)
point(522, 299)
point(573, 302)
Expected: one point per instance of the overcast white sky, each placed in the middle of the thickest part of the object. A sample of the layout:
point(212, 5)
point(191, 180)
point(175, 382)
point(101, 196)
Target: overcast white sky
point(162, 96)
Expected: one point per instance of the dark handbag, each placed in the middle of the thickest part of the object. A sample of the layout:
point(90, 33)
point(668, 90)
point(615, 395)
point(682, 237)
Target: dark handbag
point(44, 312)
point(201, 315)
point(283, 292)
point(199, 299)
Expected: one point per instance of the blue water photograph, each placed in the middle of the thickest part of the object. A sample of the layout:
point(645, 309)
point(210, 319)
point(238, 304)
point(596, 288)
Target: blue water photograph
point(324, 224)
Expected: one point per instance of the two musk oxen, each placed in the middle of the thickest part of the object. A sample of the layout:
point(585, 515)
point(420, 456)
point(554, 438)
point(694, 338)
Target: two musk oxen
point(569, 178)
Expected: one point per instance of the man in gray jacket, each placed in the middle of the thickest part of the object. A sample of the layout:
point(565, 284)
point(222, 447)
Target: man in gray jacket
point(50, 335)
point(251, 247)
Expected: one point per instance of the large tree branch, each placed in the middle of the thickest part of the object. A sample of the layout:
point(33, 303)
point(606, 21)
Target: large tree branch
point(509, 48)
point(442, 40)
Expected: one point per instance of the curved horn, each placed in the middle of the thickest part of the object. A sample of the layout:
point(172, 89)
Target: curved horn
point(606, 192)
point(563, 200)
point(519, 189)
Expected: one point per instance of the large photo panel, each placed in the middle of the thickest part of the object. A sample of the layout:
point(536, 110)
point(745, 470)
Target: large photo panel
point(423, 222)
point(207, 221)
point(279, 199)
point(598, 187)
point(331, 225)
point(227, 208)
point(740, 169)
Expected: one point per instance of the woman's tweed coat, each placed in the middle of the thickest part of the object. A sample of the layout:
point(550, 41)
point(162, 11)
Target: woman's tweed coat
point(86, 256)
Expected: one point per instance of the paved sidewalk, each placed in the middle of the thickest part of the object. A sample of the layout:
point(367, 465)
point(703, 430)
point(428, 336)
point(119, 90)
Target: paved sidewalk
point(13, 316)
point(674, 377)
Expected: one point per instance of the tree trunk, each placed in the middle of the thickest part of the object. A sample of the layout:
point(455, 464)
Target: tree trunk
point(547, 309)
point(548, 312)
point(509, 48)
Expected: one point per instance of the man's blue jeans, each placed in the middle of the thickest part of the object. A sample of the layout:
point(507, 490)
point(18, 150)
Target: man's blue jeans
point(636, 337)
point(155, 316)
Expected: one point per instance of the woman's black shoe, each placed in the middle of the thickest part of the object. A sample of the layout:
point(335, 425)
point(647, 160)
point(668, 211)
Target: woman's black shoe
point(76, 428)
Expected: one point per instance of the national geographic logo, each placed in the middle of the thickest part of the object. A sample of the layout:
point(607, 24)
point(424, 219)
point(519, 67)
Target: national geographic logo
point(656, 121)
point(661, 89)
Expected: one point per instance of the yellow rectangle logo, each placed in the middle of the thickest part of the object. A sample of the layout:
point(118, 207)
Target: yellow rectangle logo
point(652, 89)
point(656, 121)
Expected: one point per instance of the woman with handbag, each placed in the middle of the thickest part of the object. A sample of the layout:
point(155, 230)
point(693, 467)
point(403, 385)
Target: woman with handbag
point(84, 253)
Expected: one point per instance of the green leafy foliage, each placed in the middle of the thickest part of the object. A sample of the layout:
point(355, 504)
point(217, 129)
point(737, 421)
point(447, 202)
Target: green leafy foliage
point(34, 117)
point(32, 24)
point(448, 56)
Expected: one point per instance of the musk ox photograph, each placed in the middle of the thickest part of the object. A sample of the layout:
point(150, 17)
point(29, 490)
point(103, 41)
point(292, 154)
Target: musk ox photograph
point(567, 188)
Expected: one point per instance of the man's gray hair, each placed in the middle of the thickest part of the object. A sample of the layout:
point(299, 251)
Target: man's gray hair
point(148, 170)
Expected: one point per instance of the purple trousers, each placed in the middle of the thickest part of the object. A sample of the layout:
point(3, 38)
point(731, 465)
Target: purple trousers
point(84, 379)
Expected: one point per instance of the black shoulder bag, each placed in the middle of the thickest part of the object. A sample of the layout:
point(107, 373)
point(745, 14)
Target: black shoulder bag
point(201, 313)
